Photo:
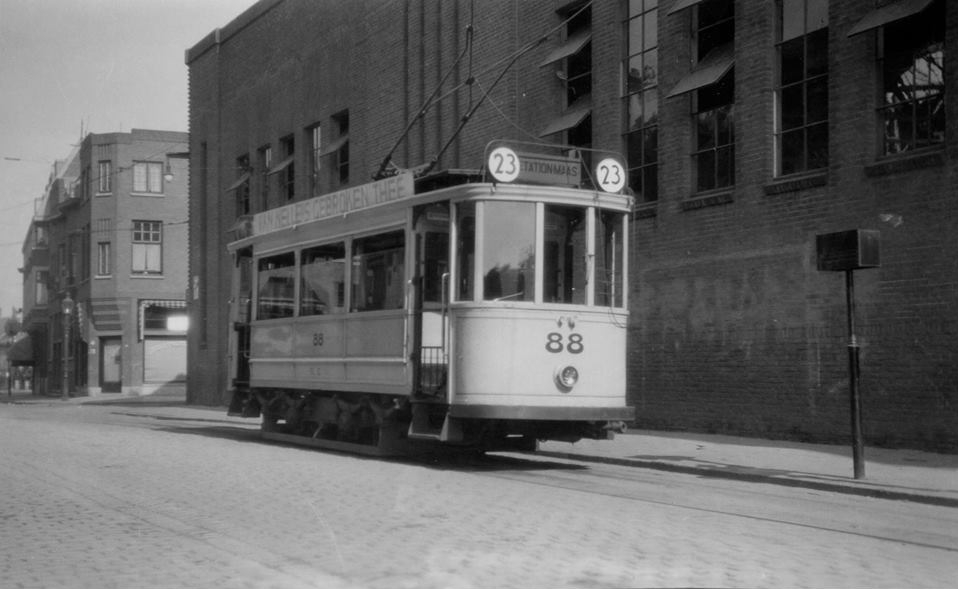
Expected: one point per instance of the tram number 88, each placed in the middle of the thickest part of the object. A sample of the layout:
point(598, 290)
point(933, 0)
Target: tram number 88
point(555, 343)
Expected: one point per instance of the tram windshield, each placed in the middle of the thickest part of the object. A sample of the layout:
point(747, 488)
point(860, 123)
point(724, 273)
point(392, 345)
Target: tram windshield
point(509, 251)
point(572, 265)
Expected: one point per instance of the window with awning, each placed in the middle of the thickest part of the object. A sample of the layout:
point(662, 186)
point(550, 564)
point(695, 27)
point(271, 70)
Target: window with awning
point(889, 13)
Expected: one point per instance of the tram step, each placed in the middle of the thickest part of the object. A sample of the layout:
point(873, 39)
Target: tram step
point(429, 424)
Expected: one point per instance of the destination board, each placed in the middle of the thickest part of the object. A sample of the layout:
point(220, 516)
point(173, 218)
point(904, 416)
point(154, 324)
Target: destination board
point(342, 202)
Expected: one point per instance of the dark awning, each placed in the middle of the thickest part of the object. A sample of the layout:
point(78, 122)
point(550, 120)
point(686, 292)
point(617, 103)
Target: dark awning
point(572, 45)
point(707, 72)
point(335, 145)
point(281, 166)
point(21, 352)
point(239, 182)
point(567, 120)
point(888, 13)
point(682, 5)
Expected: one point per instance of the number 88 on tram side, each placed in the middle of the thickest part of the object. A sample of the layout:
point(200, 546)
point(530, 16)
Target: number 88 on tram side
point(479, 310)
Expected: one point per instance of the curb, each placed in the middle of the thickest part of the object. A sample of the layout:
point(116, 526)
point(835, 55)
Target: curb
point(758, 478)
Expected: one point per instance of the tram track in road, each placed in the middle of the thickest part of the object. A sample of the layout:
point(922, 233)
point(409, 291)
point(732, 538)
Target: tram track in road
point(920, 526)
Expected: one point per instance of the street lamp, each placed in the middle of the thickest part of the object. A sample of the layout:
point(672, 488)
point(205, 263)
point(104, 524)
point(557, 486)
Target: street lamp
point(67, 316)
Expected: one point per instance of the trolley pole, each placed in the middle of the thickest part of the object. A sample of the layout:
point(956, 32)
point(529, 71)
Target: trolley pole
point(858, 447)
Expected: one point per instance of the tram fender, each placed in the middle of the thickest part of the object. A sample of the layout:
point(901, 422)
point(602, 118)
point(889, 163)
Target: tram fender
point(451, 430)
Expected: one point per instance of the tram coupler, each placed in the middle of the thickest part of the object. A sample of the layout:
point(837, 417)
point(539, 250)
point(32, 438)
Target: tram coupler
point(614, 427)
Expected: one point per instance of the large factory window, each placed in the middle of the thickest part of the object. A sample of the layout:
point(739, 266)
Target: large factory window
point(912, 109)
point(802, 92)
point(378, 272)
point(322, 280)
point(276, 281)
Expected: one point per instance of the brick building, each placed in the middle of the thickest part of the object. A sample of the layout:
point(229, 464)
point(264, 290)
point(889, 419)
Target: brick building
point(750, 127)
point(104, 271)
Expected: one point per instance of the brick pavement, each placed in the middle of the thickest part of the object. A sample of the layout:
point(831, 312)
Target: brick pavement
point(174, 503)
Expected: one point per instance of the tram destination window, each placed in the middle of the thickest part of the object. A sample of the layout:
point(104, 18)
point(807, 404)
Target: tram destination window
point(378, 274)
point(276, 279)
point(509, 251)
point(322, 280)
point(564, 276)
point(609, 254)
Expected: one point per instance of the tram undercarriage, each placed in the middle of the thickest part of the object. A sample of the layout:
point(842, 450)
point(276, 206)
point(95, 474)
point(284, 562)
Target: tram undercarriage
point(369, 423)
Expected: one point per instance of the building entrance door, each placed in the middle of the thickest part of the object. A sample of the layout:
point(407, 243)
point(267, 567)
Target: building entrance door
point(111, 362)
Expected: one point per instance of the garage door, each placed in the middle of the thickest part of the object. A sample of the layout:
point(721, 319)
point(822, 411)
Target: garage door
point(165, 360)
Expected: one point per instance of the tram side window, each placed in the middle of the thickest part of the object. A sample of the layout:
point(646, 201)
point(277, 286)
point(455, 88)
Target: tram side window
point(564, 276)
point(466, 248)
point(378, 272)
point(509, 251)
point(276, 279)
point(322, 280)
point(608, 259)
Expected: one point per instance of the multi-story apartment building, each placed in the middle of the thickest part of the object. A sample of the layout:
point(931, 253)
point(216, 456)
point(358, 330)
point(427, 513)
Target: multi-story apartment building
point(750, 127)
point(104, 271)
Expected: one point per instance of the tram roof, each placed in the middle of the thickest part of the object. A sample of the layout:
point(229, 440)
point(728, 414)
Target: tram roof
point(401, 191)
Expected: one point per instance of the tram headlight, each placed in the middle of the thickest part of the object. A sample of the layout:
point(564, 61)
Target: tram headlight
point(566, 377)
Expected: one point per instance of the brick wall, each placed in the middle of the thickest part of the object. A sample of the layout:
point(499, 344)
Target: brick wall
point(733, 327)
point(735, 330)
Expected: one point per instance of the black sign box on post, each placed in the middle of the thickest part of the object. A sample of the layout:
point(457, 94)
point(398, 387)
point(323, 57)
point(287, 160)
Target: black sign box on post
point(848, 250)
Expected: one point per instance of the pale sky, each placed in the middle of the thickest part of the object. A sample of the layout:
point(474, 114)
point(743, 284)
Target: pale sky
point(102, 66)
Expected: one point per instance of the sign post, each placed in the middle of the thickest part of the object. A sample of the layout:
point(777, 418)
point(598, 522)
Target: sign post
point(847, 251)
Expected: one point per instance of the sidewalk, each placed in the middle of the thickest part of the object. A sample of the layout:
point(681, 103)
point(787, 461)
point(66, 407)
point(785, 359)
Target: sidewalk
point(910, 475)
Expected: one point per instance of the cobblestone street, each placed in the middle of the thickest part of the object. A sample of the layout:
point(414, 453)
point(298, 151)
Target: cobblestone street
point(136, 496)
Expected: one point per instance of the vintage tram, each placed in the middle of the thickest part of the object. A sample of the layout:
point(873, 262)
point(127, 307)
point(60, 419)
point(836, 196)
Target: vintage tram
point(484, 310)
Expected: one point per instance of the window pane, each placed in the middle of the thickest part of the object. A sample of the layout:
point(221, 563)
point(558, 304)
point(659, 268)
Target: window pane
point(466, 249)
point(153, 258)
point(636, 34)
point(650, 68)
point(609, 256)
point(724, 167)
point(154, 182)
point(723, 126)
point(793, 61)
point(706, 130)
point(635, 111)
point(378, 272)
point(509, 251)
point(651, 145)
point(816, 14)
point(650, 183)
point(793, 151)
point(139, 177)
point(139, 257)
point(816, 53)
point(793, 19)
point(651, 37)
point(322, 280)
point(817, 100)
point(817, 137)
point(276, 279)
point(899, 122)
point(705, 170)
point(650, 108)
point(564, 255)
point(793, 107)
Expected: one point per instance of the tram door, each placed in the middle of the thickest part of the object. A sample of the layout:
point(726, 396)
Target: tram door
point(242, 299)
point(432, 267)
